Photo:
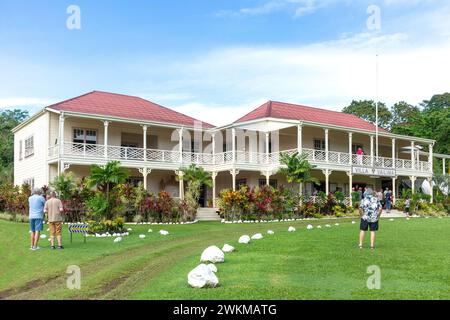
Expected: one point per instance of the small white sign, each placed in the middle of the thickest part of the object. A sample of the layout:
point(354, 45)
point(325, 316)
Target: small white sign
point(373, 171)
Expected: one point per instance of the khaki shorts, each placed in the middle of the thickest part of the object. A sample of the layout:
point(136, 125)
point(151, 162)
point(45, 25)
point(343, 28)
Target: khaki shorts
point(55, 228)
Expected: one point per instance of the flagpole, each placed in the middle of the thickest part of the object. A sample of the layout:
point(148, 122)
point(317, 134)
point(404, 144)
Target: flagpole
point(376, 106)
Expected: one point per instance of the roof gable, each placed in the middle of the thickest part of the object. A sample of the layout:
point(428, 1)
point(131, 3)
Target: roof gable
point(124, 106)
point(281, 110)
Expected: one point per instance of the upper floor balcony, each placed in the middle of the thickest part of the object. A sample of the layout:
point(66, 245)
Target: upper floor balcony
point(320, 158)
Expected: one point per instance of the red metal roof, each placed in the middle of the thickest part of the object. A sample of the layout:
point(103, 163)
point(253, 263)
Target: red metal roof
point(281, 110)
point(124, 106)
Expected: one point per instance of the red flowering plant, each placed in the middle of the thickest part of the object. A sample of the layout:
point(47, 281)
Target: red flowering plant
point(164, 205)
point(264, 198)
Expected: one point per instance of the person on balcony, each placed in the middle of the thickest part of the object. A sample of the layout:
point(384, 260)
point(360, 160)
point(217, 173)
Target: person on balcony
point(370, 211)
point(359, 155)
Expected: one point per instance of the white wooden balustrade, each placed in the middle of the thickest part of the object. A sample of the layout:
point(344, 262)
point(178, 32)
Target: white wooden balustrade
point(241, 157)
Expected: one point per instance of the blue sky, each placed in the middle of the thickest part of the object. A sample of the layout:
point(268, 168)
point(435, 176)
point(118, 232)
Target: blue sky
point(227, 56)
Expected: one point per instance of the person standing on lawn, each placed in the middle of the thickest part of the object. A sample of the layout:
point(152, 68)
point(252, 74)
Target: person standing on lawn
point(380, 197)
point(388, 200)
point(370, 210)
point(54, 209)
point(36, 204)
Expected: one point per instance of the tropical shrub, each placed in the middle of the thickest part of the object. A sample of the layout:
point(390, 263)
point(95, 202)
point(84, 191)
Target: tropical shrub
point(111, 226)
point(97, 206)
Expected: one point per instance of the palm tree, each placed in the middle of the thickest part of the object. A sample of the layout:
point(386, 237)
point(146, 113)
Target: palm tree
point(65, 185)
point(198, 174)
point(196, 177)
point(105, 177)
point(297, 169)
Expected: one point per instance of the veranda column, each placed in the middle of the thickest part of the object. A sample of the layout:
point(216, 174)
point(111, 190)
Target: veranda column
point(394, 190)
point(393, 154)
point(213, 177)
point(180, 175)
point(350, 148)
point(145, 172)
point(233, 144)
point(234, 173)
point(430, 157)
point(413, 182)
point(267, 175)
point(430, 181)
point(300, 139)
point(180, 144)
point(105, 138)
point(326, 145)
point(144, 142)
point(267, 147)
point(61, 133)
point(327, 173)
point(350, 186)
point(413, 158)
point(371, 151)
point(213, 141)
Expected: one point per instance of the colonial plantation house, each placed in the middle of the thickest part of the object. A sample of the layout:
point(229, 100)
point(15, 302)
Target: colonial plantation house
point(154, 142)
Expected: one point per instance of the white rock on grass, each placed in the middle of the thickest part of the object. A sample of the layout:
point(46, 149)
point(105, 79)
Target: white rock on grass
point(353, 222)
point(291, 229)
point(118, 239)
point(142, 236)
point(244, 239)
point(150, 230)
point(202, 277)
point(257, 236)
point(309, 227)
point(327, 226)
point(227, 248)
point(391, 219)
point(270, 232)
point(212, 267)
point(43, 236)
point(163, 232)
point(336, 224)
point(212, 254)
point(129, 229)
point(319, 227)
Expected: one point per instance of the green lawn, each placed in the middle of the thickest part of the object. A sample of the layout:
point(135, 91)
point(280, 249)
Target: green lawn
point(307, 264)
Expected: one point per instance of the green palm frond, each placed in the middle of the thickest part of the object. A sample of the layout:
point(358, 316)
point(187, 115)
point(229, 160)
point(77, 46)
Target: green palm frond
point(297, 168)
point(198, 174)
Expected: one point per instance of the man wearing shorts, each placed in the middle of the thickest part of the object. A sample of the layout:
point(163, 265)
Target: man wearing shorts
point(54, 209)
point(370, 210)
point(36, 216)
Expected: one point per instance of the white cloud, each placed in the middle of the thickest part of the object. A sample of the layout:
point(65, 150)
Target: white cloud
point(217, 114)
point(328, 75)
point(296, 8)
point(29, 102)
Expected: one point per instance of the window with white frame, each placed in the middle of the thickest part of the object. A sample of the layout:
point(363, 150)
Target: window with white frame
point(272, 182)
point(87, 136)
point(319, 144)
point(20, 150)
point(30, 182)
point(29, 147)
point(241, 183)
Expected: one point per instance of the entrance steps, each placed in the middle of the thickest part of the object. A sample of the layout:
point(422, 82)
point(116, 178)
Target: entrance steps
point(207, 214)
point(393, 214)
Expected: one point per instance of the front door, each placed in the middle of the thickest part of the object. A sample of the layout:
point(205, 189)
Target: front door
point(202, 201)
